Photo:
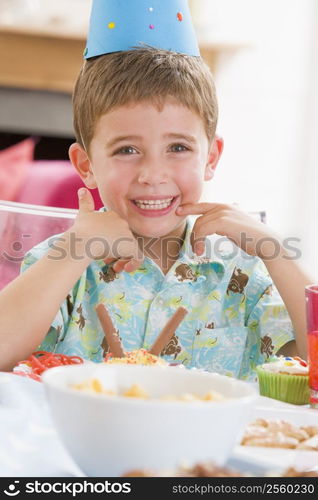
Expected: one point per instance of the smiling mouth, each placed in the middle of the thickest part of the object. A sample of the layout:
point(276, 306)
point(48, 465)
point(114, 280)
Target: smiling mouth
point(154, 204)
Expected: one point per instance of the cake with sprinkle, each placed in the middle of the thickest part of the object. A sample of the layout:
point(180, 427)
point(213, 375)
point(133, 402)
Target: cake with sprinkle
point(284, 378)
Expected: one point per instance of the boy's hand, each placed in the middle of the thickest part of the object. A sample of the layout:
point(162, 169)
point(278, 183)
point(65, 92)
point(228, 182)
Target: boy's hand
point(105, 235)
point(254, 237)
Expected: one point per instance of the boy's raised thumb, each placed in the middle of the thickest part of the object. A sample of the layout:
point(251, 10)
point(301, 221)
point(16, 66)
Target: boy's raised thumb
point(85, 200)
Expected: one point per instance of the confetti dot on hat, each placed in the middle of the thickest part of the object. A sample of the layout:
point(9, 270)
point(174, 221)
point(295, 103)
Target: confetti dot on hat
point(152, 26)
point(180, 16)
point(85, 52)
point(111, 26)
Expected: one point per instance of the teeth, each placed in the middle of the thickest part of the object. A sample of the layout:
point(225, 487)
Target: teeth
point(154, 204)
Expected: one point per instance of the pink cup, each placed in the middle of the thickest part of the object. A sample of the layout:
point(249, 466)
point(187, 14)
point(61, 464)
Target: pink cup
point(311, 293)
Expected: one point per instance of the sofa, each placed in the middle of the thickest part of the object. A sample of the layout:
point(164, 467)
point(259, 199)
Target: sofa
point(51, 183)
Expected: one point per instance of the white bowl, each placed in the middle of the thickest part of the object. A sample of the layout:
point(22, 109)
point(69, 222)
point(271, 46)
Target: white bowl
point(110, 435)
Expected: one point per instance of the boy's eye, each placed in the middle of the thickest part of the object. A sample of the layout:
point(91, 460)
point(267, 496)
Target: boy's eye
point(178, 148)
point(126, 150)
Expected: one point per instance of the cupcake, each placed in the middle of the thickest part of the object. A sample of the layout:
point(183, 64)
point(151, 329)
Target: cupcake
point(285, 379)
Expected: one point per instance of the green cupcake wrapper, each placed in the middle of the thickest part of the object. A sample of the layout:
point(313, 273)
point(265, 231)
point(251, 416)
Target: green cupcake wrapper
point(292, 389)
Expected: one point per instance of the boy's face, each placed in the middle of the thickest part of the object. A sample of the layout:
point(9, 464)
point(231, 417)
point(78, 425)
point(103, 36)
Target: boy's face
point(147, 162)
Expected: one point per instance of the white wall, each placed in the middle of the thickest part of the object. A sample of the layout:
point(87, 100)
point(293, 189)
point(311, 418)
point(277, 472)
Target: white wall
point(266, 98)
point(57, 15)
point(305, 195)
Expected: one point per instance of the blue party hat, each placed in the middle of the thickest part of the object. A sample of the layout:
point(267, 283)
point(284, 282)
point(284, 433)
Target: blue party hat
point(118, 25)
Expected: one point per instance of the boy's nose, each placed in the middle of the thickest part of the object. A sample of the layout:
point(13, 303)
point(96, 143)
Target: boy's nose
point(153, 173)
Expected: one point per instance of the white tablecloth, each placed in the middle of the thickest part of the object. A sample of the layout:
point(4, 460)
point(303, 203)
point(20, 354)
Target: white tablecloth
point(29, 444)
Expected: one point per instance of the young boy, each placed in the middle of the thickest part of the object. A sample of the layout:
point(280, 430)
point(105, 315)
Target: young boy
point(145, 121)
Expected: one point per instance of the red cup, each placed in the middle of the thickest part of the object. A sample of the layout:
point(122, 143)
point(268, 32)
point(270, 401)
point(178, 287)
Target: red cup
point(311, 293)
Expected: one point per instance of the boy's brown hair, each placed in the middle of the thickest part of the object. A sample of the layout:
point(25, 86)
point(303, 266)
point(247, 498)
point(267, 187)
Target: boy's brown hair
point(142, 74)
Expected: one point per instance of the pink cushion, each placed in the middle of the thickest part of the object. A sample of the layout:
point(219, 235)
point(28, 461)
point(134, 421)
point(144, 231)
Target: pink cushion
point(15, 163)
point(54, 183)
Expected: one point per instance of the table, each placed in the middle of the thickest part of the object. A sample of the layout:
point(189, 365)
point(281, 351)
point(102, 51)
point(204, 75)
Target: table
point(30, 446)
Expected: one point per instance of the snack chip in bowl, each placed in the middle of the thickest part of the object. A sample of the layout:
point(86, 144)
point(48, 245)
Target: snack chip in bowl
point(109, 434)
point(94, 385)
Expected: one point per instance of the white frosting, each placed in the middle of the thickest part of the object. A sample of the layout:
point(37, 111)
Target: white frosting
point(285, 365)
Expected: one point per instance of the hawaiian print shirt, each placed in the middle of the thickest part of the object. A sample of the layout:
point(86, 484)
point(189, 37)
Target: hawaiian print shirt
point(236, 318)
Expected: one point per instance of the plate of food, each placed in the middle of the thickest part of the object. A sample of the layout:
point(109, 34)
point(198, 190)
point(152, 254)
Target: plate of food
point(279, 437)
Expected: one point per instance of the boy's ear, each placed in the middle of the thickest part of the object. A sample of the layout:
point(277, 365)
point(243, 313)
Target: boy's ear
point(81, 162)
point(213, 157)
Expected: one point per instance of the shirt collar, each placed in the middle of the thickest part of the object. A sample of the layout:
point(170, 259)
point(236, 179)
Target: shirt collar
point(209, 256)
point(197, 263)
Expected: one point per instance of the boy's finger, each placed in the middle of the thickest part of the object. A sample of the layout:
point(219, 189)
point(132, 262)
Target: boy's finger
point(85, 201)
point(195, 208)
point(132, 265)
point(127, 265)
point(203, 227)
point(119, 265)
point(199, 232)
point(199, 247)
point(110, 260)
point(135, 260)
point(197, 243)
